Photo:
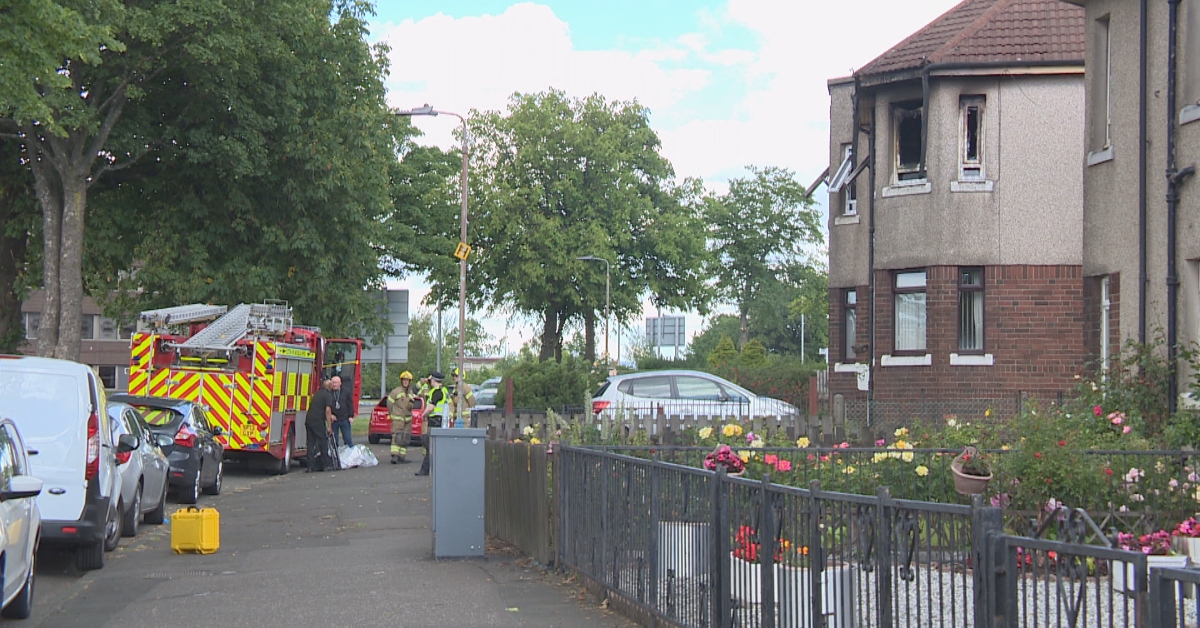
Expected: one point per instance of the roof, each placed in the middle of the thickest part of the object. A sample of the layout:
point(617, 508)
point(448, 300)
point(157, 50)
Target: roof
point(990, 31)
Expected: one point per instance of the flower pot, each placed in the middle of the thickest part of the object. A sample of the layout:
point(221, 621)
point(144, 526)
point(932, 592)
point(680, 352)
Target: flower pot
point(1191, 546)
point(967, 484)
point(1123, 577)
point(737, 475)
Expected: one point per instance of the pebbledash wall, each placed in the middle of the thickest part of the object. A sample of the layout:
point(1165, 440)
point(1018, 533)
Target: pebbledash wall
point(1032, 341)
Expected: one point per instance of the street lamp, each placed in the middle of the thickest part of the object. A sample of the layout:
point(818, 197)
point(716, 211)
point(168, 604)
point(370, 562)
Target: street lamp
point(607, 300)
point(461, 253)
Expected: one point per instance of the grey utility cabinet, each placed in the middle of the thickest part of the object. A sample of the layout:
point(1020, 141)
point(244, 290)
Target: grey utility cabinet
point(458, 464)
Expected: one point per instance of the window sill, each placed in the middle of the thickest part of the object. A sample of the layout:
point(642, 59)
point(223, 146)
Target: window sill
point(850, 367)
point(907, 188)
point(1100, 156)
point(846, 220)
point(982, 185)
point(986, 359)
point(906, 360)
point(1190, 113)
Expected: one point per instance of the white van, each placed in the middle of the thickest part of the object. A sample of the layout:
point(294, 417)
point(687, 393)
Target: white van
point(60, 409)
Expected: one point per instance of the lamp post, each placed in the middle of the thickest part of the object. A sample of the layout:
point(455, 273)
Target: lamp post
point(607, 299)
point(461, 253)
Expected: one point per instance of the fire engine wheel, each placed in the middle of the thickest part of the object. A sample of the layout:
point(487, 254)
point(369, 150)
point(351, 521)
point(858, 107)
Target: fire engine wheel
point(285, 463)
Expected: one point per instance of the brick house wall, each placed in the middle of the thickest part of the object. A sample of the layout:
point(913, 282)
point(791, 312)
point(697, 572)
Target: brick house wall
point(1033, 331)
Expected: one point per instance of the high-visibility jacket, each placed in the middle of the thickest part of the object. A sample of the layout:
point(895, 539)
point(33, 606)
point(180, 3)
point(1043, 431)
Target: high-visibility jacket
point(438, 401)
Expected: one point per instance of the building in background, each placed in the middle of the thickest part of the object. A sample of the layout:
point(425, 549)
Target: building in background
point(955, 227)
point(104, 345)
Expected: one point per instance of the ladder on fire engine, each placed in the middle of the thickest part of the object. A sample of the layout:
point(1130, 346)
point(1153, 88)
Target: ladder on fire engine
point(179, 315)
point(223, 333)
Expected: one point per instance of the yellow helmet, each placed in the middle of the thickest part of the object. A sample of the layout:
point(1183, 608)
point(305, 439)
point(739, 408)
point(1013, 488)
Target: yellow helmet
point(406, 375)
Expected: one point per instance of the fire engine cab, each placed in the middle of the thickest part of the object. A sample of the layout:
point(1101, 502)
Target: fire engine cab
point(250, 366)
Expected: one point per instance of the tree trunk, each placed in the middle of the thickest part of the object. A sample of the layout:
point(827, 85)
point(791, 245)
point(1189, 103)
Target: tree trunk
point(744, 317)
point(589, 337)
point(549, 337)
point(70, 270)
point(562, 324)
point(46, 185)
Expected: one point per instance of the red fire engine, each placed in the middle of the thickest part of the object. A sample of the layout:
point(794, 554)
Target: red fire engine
point(253, 369)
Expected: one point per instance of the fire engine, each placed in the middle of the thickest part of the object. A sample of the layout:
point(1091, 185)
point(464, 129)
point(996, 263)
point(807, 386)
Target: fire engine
point(251, 368)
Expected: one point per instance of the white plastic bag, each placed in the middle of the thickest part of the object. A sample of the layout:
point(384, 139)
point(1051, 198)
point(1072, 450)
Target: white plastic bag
point(367, 458)
point(346, 455)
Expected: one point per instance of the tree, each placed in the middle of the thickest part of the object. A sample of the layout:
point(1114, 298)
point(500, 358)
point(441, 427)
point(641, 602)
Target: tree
point(753, 354)
point(725, 353)
point(276, 182)
point(270, 141)
point(558, 178)
point(705, 342)
point(756, 229)
point(18, 215)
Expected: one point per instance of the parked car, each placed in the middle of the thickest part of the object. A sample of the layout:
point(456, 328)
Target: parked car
point(143, 469)
point(380, 428)
point(197, 460)
point(492, 383)
point(20, 523)
point(683, 392)
point(61, 411)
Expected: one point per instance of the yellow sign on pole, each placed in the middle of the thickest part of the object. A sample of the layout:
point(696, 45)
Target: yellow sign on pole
point(462, 251)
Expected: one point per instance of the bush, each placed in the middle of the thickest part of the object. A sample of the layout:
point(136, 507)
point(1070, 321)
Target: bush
point(543, 385)
point(781, 378)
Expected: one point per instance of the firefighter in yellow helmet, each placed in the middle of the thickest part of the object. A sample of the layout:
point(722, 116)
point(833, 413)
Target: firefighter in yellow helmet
point(468, 399)
point(400, 407)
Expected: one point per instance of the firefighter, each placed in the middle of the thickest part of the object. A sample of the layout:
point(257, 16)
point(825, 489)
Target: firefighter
point(400, 407)
point(468, 398)
point(437, 406)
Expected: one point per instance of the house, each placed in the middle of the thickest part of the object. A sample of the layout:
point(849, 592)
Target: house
point(104, 343)
point(955, 220)
point(1141, 204)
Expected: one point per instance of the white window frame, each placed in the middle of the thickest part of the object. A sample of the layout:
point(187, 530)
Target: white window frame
point(1105, 321)
point(849, 309)
point(25, 316)
point(971, 169)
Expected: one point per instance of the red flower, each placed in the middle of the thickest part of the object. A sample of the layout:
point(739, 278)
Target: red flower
point(1048, 481)
point(1098, 410)
point(1062, 443)
point(1037, 454)
point(1108, 471)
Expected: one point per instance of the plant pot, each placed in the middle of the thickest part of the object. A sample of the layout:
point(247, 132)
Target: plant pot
point(967, 484)
point(1191, 547)
point(736, 475)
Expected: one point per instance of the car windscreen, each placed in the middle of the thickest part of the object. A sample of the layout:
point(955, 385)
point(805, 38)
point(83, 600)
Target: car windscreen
point(486, 398)
point(42, 403)
point(161, 419)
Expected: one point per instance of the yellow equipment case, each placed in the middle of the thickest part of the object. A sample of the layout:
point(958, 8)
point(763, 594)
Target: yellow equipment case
point(196, 530)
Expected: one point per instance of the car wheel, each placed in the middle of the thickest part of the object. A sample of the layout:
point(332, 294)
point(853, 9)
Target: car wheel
point(373, 439)
point(215, 487)
point(159, 514)
point(131, 518)
point(112, 528)
point(285, 463)
point(191, 494)
point(89, 557)
point(22, 605)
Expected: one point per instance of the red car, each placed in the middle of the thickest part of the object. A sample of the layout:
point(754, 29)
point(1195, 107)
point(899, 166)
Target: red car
point(380, 428)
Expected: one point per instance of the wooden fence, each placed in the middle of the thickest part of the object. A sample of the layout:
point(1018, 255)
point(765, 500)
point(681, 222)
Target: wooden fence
point(519, 498)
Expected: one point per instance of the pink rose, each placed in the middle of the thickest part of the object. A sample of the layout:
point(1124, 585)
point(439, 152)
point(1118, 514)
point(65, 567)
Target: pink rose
point(1126, 430)
point(1117, 420)
point(880, 443)
point(770, 458)
point(1098, 410)
point(784, 465)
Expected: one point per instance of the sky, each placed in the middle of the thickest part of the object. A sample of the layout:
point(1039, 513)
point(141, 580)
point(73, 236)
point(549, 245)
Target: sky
point(729, 83)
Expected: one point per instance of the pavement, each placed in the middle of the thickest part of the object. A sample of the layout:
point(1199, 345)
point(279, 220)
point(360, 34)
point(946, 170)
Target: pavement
point(344, 548)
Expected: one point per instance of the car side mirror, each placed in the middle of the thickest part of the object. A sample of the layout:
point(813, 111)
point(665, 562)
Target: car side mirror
point(21, 486)
point(162, 440)
point(126, 443)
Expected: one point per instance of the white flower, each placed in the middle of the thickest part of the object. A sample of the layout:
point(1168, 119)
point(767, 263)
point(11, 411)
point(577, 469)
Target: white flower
point(528, 431)
point(952, 423)
point(1137, 497)
point(757, 444)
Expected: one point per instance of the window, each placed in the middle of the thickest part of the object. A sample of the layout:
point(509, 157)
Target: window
point(652, 387)
point(851, 324)
point(1101, 79)
point(971, 158)
point(32, 320)
point(87, 327)
point(906, 126)
point(909, 292)
point(698, 388)
point(850, 199)
point(970, 310)
point(7, 461)
point(108, 375)
point(841, 182)
point(1105, 320)
point(107, 329)
point(20, 462)
point(126, 331)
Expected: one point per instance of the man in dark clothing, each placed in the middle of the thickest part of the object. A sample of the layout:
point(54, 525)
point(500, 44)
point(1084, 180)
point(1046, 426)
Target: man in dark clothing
point(318, 421)
point(342, 412)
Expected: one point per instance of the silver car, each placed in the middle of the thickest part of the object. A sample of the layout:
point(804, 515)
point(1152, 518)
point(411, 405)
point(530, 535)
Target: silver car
point(143, 468)
point(680, 392)
point(20, 523)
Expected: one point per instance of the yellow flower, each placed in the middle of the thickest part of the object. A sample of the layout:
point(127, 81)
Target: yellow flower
point(706, 433)
point(732, 429)
point(803, 441)
point(901, 432)
point(1005, 448)
point(848, 470)
point(906, 456)
point(535, 440)
point(744, 455)
point(922, 470)
point(987, 412)
point(879, 457)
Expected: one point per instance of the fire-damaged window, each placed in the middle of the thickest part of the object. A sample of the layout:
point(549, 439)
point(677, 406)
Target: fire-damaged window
point(906, 125)
point(971, 162)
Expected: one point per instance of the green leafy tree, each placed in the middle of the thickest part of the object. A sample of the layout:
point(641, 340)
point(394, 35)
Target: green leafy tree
point(18, 218)
point(276, 181)
point(756, 230)
point(725, 353)
point(753, 354)
point(559, 178)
